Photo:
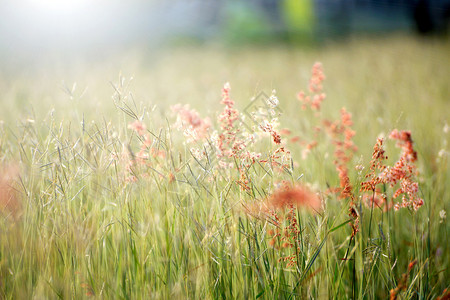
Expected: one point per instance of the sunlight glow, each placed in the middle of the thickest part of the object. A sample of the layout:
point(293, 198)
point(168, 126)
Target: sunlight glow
point(62, 6)
point(64, 22)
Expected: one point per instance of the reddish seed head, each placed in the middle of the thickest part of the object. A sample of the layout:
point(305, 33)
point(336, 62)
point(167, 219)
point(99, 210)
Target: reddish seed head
point(171, 177)
point(9, 200)
point(195, 128)
point(411, 265)
point(298, 196)
point(376, 199)
point(138, 126)
point(401, 173)
point(295, 139)
point(285, 131)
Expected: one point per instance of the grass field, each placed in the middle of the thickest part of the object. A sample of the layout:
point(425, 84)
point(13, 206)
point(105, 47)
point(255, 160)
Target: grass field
point(110, 190)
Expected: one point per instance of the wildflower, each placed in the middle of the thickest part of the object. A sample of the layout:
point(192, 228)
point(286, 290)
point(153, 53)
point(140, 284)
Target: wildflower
point(232, 141)
point(9, 200)
point(402, 284)
point(401, 173)
point(315, 83)
point(273, 100)
point(301, 96)
point(279, 159)
point(315, 99)
point(411, 265)
point(376, 164)
point(138, 126)
point(295, 139)
point(342, 134)
point(298, 196)
point(269, 127)
point(285, 131)
point(405, 142)
point(445, 295)
point(280, 210)
point(228, 141)
point(376, 199)
point(195, 128)
point(311, 145)
point(171, 177)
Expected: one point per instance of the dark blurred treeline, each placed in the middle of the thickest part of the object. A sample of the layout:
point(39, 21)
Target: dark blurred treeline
point(110, 24)
point(322, 19)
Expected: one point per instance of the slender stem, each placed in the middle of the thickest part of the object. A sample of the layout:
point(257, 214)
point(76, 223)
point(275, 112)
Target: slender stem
point(371, 212)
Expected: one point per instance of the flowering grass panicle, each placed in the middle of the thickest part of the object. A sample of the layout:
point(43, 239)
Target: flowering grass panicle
point(282, 207)
point(138, 126)
point(401, 173)
point(376, 166)
point(285, 198)
point(298, 196)
point(341, 135)
point(195, 128)
point(376, 199)
point(403, 282)
point(269, 127)
point(149, 156)
point(232, 141)
point(229, 142)
point(405, 142)
point(280, 158)
point(445, 295)
point(10, 204)
point(315, 97)
point(312, 100)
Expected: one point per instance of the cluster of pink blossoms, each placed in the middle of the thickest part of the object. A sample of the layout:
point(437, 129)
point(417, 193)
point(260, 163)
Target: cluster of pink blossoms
point(229, 142)
point(195, 128)
point(143, 156)
point(316, 97)
point(342, 134)
point(10, 204)
point(402, 173)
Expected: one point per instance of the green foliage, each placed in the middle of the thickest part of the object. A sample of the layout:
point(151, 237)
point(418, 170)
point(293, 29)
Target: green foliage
point(245, 22)
point(299, 19)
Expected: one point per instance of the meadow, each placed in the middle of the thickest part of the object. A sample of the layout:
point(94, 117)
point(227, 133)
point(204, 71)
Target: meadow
point(261, 171)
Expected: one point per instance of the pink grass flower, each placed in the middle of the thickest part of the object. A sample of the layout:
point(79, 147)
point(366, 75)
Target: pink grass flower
point(195, 128)
point(298, 196)
point(401, 174)
point(9, 199)
point(318, 76)
point(138, 127)
point(316, 97)
point(376, 199)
